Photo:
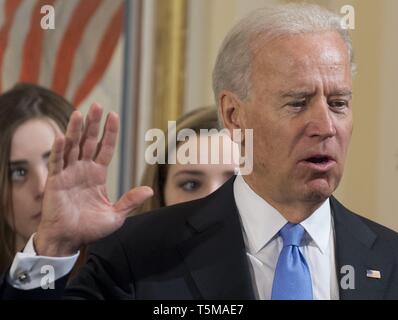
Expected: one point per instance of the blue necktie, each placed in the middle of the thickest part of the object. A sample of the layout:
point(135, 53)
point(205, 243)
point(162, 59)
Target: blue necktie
point(292, 279)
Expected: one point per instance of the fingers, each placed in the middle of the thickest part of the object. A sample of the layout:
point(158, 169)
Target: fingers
point(83, 145)
point(56, 160)
point(107, 144)
point(72, 138)
point(132, 199)
point(88, 144)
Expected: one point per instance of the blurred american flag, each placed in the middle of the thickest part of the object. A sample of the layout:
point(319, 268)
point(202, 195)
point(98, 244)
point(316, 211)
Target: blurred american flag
point(70, 59)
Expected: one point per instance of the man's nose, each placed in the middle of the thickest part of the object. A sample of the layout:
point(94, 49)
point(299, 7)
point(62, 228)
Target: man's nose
point(321, 122)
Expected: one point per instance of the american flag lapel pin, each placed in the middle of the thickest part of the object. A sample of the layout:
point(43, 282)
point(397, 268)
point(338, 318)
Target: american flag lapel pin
point(375, 274)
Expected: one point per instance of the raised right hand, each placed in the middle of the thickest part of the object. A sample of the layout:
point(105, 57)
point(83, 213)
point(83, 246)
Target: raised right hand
point(76, 209)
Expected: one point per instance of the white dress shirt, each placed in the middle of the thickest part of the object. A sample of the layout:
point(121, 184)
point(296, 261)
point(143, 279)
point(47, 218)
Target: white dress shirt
point(261, 224)
point(29, 271)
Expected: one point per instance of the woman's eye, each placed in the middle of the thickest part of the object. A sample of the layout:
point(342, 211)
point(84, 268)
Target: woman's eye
point(190, 186)
point(18, 174)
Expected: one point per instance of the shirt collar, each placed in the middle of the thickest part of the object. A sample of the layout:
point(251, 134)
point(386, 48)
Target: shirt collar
point(318, 226)
point(261, 222)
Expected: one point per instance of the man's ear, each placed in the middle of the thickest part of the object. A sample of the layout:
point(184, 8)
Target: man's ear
point(230, 110)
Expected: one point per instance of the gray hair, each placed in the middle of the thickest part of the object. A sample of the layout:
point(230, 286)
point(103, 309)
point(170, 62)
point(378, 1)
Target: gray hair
point(232, 69)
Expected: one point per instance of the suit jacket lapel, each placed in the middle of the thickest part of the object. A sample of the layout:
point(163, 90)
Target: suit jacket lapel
point(215, 254)
point(354, 243)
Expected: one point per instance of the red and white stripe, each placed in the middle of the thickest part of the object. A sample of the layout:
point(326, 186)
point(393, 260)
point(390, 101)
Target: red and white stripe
point(72, 58)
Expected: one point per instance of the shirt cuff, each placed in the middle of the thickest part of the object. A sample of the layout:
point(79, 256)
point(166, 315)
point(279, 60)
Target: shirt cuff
point(30, 271)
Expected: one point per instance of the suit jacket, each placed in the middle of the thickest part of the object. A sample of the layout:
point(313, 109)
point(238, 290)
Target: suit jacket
point(196, 250)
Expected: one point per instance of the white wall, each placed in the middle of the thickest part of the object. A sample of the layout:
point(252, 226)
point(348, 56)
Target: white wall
point(387, 185)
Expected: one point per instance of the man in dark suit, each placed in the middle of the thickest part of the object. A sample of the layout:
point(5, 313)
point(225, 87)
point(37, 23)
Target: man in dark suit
point(276, 233)
point(196, 250)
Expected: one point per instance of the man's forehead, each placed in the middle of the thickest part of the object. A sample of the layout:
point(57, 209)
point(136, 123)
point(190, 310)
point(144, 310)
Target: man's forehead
point(301, 50)
point(305, 60)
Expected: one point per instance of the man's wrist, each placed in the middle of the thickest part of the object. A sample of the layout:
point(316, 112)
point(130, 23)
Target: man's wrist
point(52, 248)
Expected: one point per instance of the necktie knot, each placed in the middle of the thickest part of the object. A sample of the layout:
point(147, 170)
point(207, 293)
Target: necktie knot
point(292, 234)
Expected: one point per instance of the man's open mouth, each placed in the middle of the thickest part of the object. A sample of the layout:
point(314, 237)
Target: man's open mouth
point(319, 159)
point(319, 162)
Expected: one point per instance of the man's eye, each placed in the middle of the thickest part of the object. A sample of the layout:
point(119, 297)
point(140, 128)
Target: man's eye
point(18, 174)
point(338, 104)
point(298, 104)
point(190, 186)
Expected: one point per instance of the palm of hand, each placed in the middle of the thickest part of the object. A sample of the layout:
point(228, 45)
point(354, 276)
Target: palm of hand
point(81, 189)
point(76, 209)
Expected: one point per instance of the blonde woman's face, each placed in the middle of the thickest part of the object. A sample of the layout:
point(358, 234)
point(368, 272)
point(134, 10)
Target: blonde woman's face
point(186, 182)
point(30, 151)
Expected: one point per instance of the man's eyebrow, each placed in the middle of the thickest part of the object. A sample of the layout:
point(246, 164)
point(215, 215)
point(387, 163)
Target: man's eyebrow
point(342, 92)
point(304, 94)
point(297, 94)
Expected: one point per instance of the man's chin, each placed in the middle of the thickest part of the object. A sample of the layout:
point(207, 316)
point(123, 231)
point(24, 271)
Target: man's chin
point(318, 190)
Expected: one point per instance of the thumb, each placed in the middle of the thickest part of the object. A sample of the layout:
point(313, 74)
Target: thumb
point(132, 199)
